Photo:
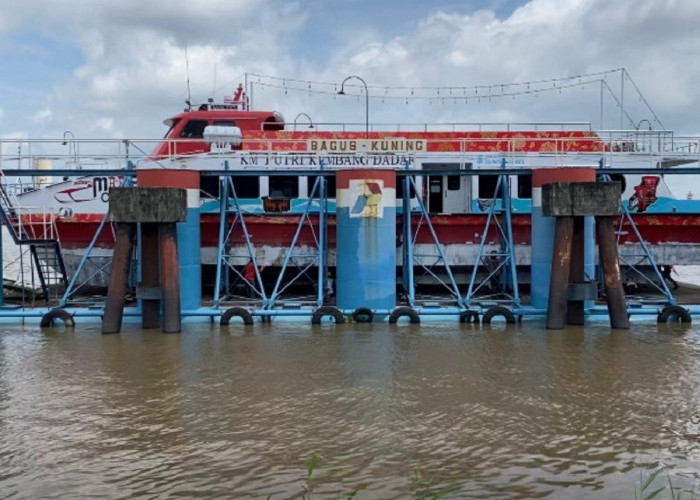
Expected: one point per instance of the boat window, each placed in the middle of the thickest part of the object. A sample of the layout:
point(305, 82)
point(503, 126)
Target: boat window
point(271, 123)
point(247, 186)
point(284, 186)
point(330, 185)
point(193, 129)
point(525, 186)
point(487, 185)
point(399, 187)
point(454, 182)
point(171, 127)
point(225, 123)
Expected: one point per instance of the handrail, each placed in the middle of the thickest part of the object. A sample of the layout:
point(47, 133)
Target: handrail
point(111, 154)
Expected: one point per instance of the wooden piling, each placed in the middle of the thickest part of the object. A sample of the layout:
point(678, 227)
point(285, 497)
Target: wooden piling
point(575, 309)
point(570, 203)
point(169, 278)
point(118, 278)
point(150, 305)
point(609, 259)
point(559, 278)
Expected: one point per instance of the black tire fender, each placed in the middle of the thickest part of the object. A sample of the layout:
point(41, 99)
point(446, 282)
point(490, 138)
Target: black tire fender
point(331, 311)
point(240, 312)
point(494, 311)
point(402, 311)
point(49, 319)
point(675, 314)
point(468, 316)
point(362, 315)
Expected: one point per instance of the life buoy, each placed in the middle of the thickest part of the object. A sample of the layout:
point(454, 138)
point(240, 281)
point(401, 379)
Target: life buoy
point(362, 315)
point(49, 319)
point(494, 311)
point(469, 316)
point(331, 311)
point(675, 314)
point(400, 312)
point(239, 312)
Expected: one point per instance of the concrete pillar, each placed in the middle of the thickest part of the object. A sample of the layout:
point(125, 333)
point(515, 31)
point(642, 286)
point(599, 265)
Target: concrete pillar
point(188, 231)
point(542, 229)
point(366, 239)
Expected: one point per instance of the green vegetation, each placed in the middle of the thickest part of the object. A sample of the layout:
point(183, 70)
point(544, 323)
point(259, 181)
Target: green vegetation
point(662, 487)
point(423, 489)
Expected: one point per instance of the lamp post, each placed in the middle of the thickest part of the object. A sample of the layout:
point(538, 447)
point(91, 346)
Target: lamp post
point(342, 92)
point(311, 123)
point(69, 140)
point(642, 121)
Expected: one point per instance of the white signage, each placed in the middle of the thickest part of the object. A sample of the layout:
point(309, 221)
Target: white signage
point(385, 145)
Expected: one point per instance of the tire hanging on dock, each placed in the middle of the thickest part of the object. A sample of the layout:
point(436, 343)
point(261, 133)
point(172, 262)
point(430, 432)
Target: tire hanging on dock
point(494, 311)
point(403, 311)
point(239, 312)
point(469, 316)
point(331, 311)
point(674, 314)
point(49, 319)
point(362, 315)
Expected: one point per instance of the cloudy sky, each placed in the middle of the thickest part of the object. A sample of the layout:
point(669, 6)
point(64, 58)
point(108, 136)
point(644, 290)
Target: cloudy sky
point(117, 68)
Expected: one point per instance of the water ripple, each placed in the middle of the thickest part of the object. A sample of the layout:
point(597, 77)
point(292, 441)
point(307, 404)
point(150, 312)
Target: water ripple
point(393, 412)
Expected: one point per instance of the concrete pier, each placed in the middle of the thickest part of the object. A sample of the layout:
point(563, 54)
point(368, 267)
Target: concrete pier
point(570, 202)
point(157, 209)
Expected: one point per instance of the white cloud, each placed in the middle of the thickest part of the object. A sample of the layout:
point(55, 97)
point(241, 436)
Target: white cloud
point(133, 69)
point(43, 116)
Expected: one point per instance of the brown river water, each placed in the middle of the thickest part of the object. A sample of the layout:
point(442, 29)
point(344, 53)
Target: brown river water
point(392, 411)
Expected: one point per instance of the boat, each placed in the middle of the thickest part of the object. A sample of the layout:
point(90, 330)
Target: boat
point(455, 170)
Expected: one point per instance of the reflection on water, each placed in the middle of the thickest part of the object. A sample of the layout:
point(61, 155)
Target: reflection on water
point(394, 411)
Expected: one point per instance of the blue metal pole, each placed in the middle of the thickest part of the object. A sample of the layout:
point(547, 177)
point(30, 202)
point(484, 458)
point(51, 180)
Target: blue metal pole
point(322, 238)
point(509, 235)
point(407, 238)
point(223, 204)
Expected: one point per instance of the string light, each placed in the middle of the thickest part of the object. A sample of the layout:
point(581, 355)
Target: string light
point(385, 94)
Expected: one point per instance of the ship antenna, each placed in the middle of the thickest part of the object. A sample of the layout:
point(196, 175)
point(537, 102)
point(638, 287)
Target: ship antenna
point(187, 70)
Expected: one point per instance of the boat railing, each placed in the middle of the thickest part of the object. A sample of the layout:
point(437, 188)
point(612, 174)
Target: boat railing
point(442, 127)
point(96, 154)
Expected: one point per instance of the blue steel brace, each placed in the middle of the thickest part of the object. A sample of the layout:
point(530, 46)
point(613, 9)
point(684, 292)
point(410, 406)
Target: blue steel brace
point(646, 253)
point(222, 257)
point(128, 182)
point(223, 203)
point(278, 289)
point(500, 203)
point(409, 255)
point(507, 246)
point(322, 237)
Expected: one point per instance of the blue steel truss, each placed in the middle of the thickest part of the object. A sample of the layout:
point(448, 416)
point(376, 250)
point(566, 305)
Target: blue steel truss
point(501, 272)
point(630, 262)
point(409, 255)
point(87, 259)
point(302, 262)
point(227, 262)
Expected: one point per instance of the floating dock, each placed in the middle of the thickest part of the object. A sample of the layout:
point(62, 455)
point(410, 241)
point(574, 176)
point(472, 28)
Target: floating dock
point(359, 282)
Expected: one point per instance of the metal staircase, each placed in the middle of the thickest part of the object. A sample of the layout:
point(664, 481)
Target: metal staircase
point(45, 252)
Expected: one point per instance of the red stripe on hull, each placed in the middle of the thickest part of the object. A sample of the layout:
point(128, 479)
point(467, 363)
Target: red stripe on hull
point(77, 232)
point(185, 179)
